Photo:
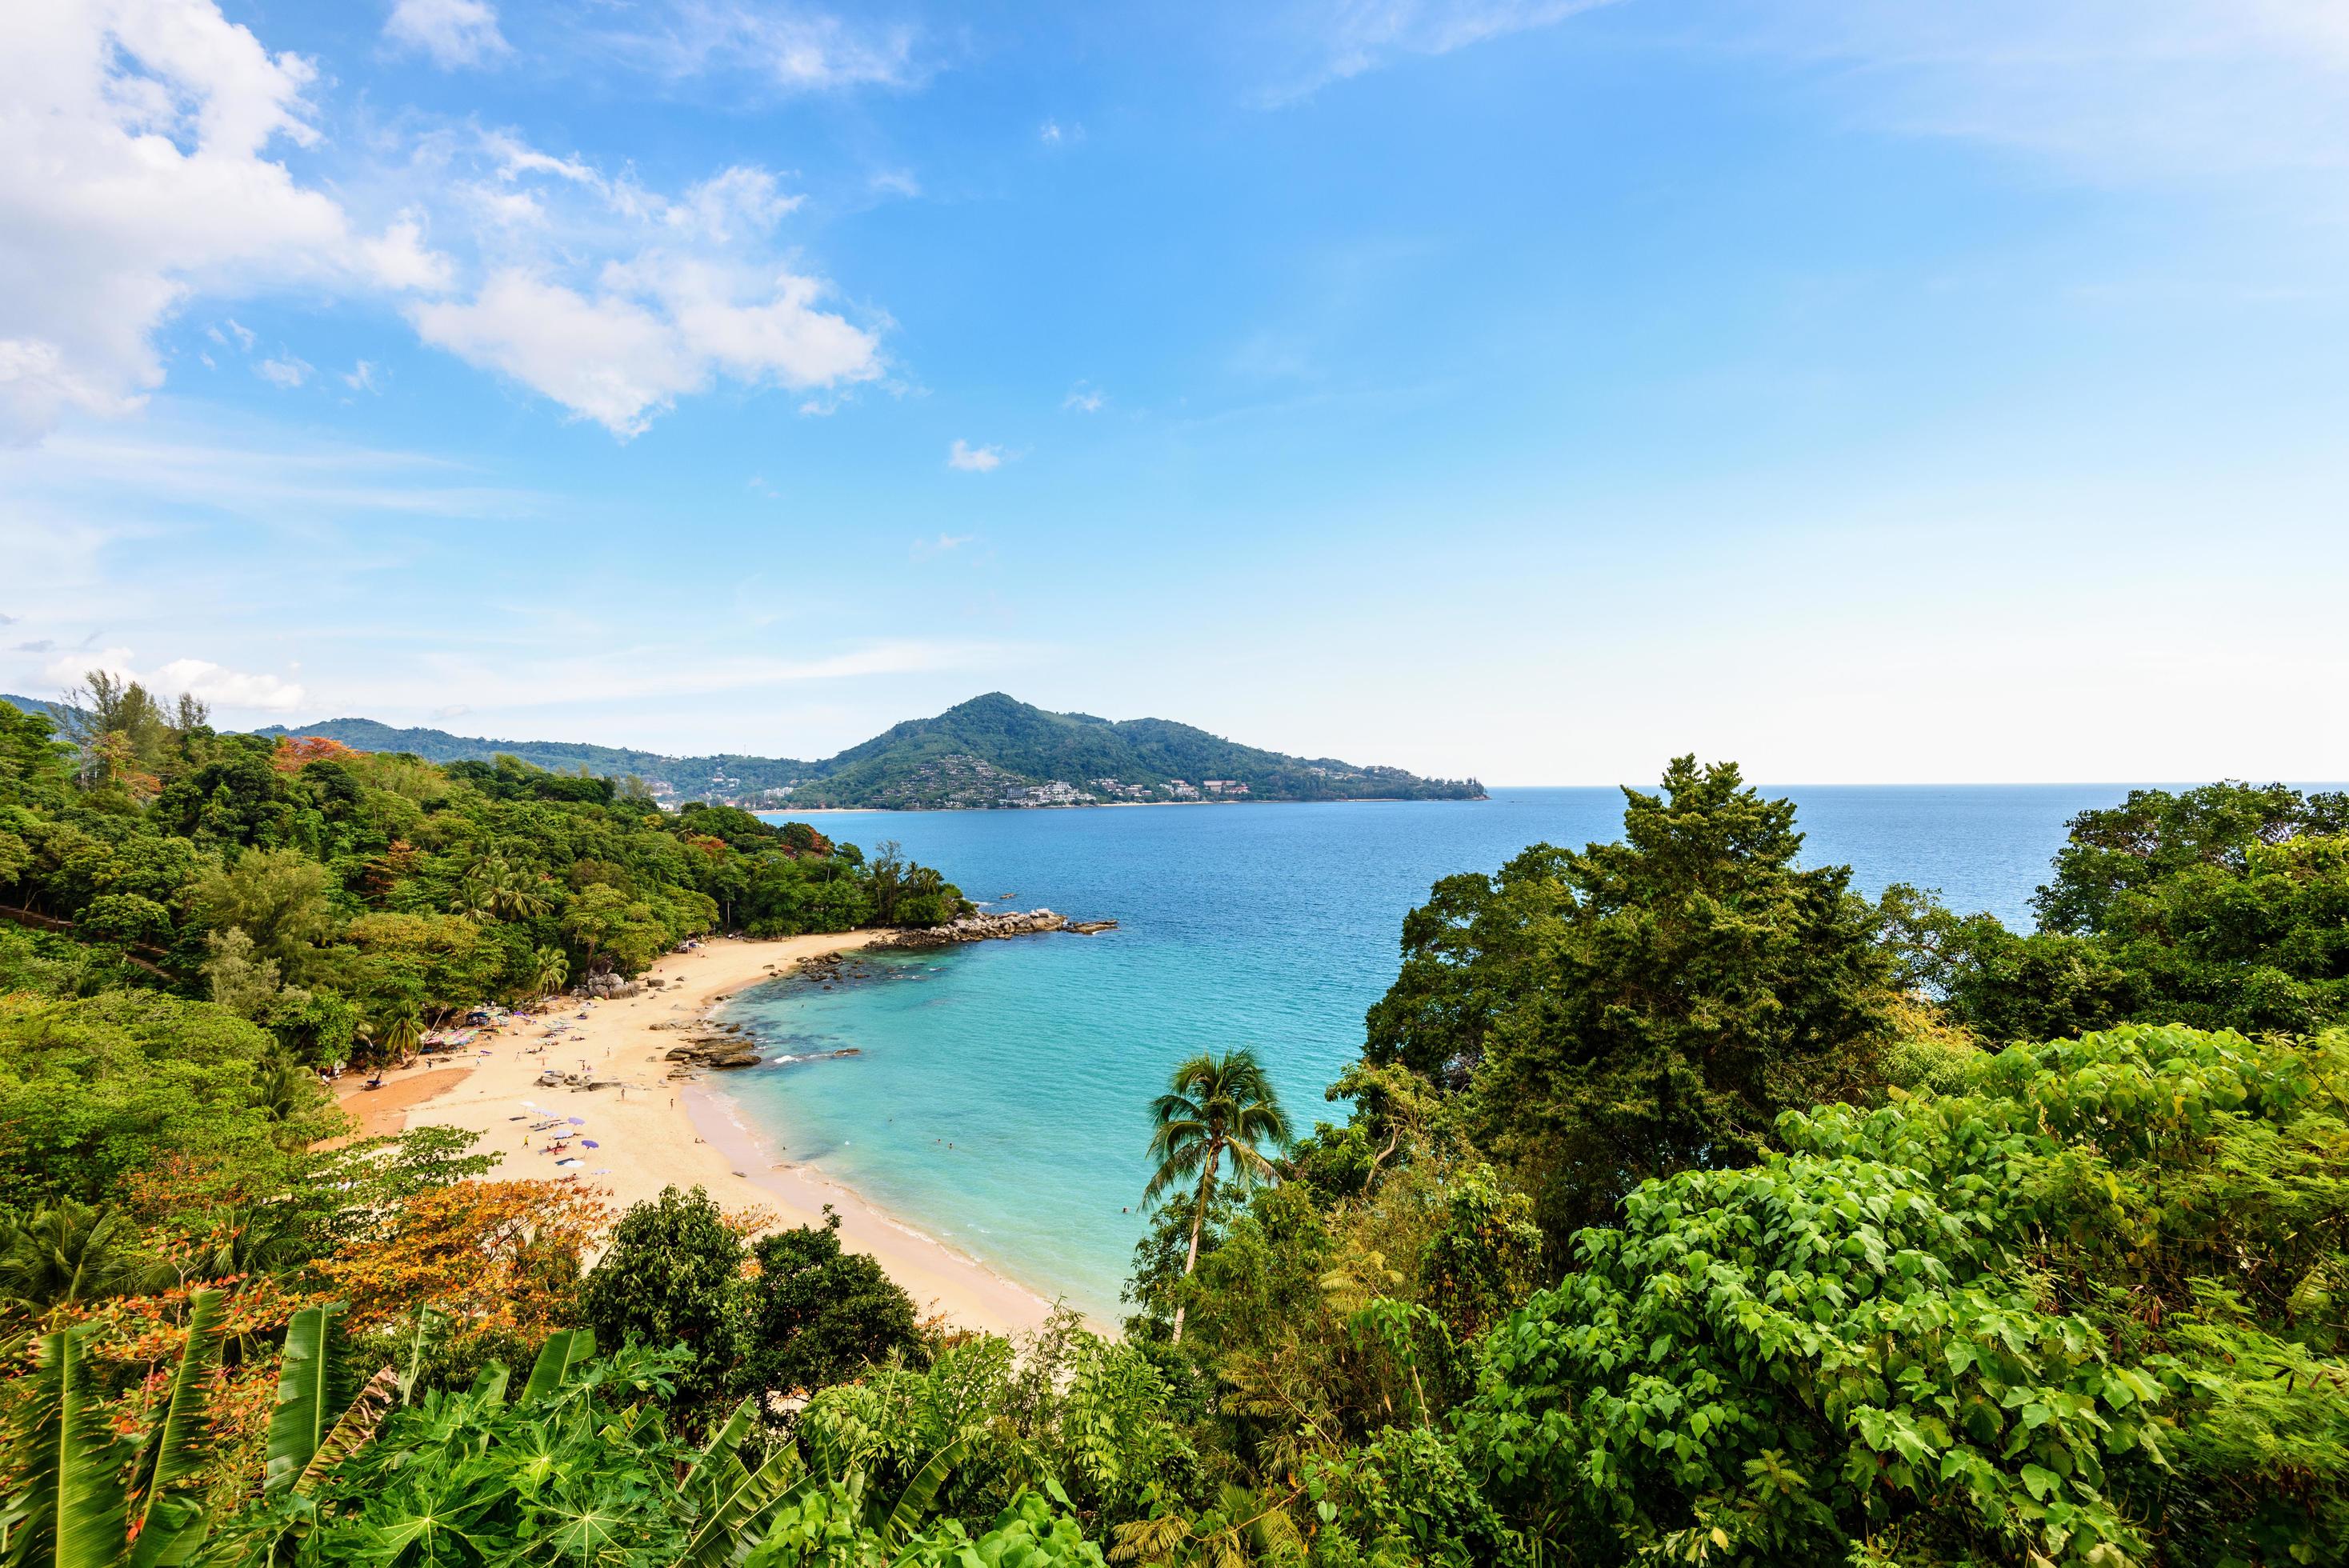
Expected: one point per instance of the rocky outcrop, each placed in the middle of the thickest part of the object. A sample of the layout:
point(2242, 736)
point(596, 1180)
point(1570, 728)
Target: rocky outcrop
point(982, 928)
point(722, 1052)
point(606, 985)
point(1091, 927)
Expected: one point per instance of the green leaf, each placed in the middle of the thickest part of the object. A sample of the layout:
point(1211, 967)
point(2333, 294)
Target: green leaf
point(732, 1521)
point(170, 1522)
point(432, 1324)
point(566, 1351)
point(69, 1510)
point(707, 1472)
point(352, 1429)
point(921, 1491)
point(306, 1406)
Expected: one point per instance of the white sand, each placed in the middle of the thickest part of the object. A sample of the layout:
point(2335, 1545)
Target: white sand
point(654, 1133)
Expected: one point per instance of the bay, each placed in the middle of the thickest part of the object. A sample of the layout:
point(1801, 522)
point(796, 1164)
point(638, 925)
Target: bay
point(998, 1100)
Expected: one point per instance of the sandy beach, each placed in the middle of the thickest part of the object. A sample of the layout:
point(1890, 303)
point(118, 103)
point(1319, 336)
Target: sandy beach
point(652, 1133)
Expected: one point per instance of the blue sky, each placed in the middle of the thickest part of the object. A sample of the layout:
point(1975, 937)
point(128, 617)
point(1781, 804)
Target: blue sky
point(1528, 390)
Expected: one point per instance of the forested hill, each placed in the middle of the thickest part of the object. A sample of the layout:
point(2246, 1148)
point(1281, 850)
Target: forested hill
point(997, 751)
point(993, 751)
point(716, 778)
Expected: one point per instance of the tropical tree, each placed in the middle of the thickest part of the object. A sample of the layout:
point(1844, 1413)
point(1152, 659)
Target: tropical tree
point(815, 1314)
point(1216, 1107)
point(668, 1277)
point(400, 1034)
point(494, 889)
point(66, 1255)
point(549, 970)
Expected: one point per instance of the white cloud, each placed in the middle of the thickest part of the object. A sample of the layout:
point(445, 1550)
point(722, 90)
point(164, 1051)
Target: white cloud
point(792, 47)
point(287, 370)
point(615, 300)
point(516, 158)
point(974, 459)
point(1050, 133)
point(197, 677)
point(135, 170)
point(397, 259)
point(362, 377)
point(655, 329)
point(232, 688)
point(245, 336)
point(453, 32)
point(923, 549)
point(742, 200)
point(895, 182)
point(1085, 399)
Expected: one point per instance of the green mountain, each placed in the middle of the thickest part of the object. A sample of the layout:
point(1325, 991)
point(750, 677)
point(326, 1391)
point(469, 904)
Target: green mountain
point(994, 751)
point(990, 751)
point(57, 711)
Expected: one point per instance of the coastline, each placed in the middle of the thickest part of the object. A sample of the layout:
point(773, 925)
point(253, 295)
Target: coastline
point(788, 811)
point(652, 1133)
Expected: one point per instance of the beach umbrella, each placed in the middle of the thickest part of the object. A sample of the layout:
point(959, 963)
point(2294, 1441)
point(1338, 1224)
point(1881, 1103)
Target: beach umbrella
point(590, 1143)
point(578, 1122)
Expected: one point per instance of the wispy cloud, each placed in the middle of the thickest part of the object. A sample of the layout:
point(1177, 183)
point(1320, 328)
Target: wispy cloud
point(453, 32)
point(2215, 91)
point(286, 370)
point(616, 300)
point(925, 548)
point(1346, 37)
point(101, 474)
point(1085, 399)
point(973, 460)
point(792, 48)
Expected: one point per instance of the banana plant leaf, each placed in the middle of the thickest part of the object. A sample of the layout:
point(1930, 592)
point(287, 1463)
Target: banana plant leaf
point(310, 1394)
point(562, 1354)
point(914, 1505)
point(169, 1523)
point(70, 1509)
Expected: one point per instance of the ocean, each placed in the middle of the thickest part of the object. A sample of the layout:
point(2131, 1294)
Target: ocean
point(998, 1100)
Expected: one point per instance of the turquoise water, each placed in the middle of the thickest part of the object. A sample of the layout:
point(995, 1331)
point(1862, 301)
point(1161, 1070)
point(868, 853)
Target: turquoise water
point(998, 1100)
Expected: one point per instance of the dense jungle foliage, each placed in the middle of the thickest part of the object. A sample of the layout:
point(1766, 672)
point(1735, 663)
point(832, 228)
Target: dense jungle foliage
point(335, 897)
point(1686, 1207)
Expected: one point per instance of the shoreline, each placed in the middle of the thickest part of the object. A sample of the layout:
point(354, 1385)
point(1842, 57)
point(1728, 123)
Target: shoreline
point(650, 1135)
point(1116, 805)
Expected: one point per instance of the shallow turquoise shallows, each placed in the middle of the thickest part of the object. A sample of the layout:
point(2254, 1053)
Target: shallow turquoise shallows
point(1000, 1099)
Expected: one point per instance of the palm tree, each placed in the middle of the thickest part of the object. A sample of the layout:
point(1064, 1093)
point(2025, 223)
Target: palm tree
point(67, 1254)
point(492, 888)
point(400, 1034)
point(1216, 1105)
point(549, 970)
